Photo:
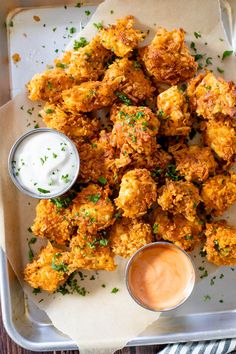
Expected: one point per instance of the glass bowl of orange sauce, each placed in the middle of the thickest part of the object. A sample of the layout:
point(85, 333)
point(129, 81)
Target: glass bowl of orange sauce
point(160, 276)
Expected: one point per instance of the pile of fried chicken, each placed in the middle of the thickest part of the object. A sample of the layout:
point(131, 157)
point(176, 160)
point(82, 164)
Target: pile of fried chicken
point(141, 178)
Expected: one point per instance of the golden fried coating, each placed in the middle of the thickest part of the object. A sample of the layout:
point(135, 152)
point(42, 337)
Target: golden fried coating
point(52, 222)
point(220, 136)
point(92, 210)
point(212, 97)
point(87, 63)
point(97, 160)
point(173, 112)
point(175, 228)
point(88, 96)
point(48, 85)
point(137, 193)
point(219, 193)
point(92, 252)
point(127, 236)
point(167, 58)
point(77, 126)
point(134, 130)
point(121, 38)
point(47, 271)
point(131, 79)
point(156, 162)
point(179, 198)
point(195, 163)
point(220, 244)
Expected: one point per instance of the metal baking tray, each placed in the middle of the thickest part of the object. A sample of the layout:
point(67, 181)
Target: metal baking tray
point(210, 313)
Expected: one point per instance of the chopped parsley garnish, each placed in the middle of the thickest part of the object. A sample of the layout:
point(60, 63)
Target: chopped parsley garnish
point(98, 25)
point(30, 252)
point(118, 215)
point(193, 46)
point(137, 65)
point(209, 61)
point(221, 276)
point(72, 30)
point(197, 34)
point(157, 172)
point(155, 228)
point(227, 53)
point(44, 191)
point(81, 43)
point(54, 29)
point(61, 65)
point(103, 242)
point(102, 180)
point(172, 173)
point(71, 286)
point(94, 197)
point(204, 274)
point(206, 297)
point(98, 242)
point(36, 291)
point(198, 56)
point(114, 290)
point(65, 178)
point(183, 88)
point(123, 98)
point(43, 159)
point(221, 301)
point(61, 267)
point(63, 202)
point(220, 70)
point(54, 155)
point(188, 237)
point(103, 285)
point(78, 4)
point(36, 126)
point(216, 245)
point(87, 12)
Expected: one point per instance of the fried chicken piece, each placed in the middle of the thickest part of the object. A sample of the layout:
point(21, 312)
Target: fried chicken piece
point(167, 58)
point(92, 252)
point(156, 162)
point(220, 244)
point(175, 228)
point(173, 112)
point(219, 193)
point(77, 126)
point(97, 160)
point(121, 38)
point(92, 210)
point(221, 138)
point(127, 236)
point(131, 79)
point(48, 86)
point(47, 271)
point(195, 163)
point(179, 198)
point(52, 222)
point(137, 193)
point(87, 63)
point(212, 97)
point(88, 96)
point(134, 130)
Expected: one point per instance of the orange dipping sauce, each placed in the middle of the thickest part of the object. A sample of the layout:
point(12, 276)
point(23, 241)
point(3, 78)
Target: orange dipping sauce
point(160, 276)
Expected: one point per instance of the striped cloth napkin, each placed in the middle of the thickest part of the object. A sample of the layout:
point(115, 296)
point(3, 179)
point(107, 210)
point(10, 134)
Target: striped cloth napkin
point(223, 346)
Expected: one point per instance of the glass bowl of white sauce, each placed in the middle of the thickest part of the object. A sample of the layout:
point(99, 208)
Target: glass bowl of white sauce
point(43, 163)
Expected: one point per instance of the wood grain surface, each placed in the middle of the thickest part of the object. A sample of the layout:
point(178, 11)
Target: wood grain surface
point(7, 346)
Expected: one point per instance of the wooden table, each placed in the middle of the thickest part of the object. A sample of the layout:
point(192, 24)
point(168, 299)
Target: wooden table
point(7, 346)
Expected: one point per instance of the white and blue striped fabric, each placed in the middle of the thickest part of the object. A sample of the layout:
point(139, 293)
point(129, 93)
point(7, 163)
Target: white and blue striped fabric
point(224, 346)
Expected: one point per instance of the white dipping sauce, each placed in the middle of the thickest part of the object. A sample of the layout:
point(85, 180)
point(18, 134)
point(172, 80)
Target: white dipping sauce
point(45, 163)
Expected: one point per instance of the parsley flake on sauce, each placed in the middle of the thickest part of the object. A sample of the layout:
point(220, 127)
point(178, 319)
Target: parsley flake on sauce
point(102, 180)
point(44, 191)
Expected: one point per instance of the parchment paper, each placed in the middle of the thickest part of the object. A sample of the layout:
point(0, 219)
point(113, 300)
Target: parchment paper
point(100, 322)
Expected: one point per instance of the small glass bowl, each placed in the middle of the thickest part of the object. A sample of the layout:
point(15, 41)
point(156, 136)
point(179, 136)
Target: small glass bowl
point(16, 181)
point(144, 249)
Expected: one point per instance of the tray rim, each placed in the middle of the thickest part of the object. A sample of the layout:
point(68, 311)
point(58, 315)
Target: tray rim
point(22, 341)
